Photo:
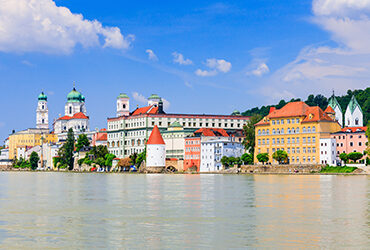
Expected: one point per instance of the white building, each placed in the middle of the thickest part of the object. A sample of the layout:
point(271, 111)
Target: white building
point(174, 137)
point(123, 105)
point(128, 134)
point(353, 116)
point(156, 150)
point(42, 112)
point(74, 117)
point(214, 148)
point(328, 151)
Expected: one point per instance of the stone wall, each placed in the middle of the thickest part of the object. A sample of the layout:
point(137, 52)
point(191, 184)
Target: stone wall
point(280, 169)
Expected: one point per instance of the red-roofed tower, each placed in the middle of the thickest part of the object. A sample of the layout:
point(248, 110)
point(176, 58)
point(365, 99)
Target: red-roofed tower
point(155, 151)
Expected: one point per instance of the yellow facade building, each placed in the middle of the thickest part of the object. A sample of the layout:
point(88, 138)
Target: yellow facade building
point(29, 138)
point(296, 129)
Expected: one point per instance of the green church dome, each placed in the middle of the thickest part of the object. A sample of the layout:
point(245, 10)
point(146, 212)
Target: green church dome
point(122, 95)
point(154, 96)
point(43, 97)
point(236, 112)
point(74, 96)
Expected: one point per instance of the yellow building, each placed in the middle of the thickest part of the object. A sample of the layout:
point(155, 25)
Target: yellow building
point(296, 129)
point(29, 138)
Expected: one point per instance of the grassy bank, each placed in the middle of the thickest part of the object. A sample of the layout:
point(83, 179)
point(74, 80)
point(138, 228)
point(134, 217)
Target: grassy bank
point(344, 169)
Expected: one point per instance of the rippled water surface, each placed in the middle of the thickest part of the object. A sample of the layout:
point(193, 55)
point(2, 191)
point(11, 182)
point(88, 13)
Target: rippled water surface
point(62, 210)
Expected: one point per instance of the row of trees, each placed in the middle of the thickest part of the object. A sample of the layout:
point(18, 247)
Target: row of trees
point(32, 163)
point(354, 156)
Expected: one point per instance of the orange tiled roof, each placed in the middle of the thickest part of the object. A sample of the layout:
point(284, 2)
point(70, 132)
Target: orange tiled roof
point(329, 110)
point(298, 109)
point(354, 129)
point(155, 137)
point(79, 115)
point(143, 110)
point(102, 137)
point(212, 132)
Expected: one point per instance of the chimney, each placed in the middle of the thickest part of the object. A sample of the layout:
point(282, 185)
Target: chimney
point(272, 109)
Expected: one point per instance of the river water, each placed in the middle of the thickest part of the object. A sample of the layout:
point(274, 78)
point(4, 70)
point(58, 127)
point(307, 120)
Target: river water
point(79, 211)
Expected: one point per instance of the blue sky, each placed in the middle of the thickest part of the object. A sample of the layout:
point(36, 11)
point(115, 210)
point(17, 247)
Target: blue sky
point(201, 56)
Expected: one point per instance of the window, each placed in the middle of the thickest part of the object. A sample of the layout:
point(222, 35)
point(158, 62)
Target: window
point(293, 140)
point(278, 131)
point(273, 122)
point(297, 139)
point(267, 141)
point(282, 131)
point(304, 150)
point(313, 150)
point(278, 141)
point(351, 144)
point(259, 141)
point(288, 150)
point(259, 132)
point(273, 131)
point(304, 139)
point(309, 139)
point(313, 139)
point(297, 130)
point(356, 121)
point(282, 140)
point(360, 143)
point(70, 110)
point(273, 141)
point(313, 130)
point(282, 121)
point(288, 130)
point(304, 130)
point(288, 140)
point(297, 150)
point(308, 129)
point(297, 120)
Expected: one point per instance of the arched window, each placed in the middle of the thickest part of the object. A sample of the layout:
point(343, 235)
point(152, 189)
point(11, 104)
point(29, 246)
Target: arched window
point(259, 132)
point(81, 109)
point(268, 132)
point(43, 121)
point(356, 121)
point(273, 131)
point(263, 132)
point(297, 130)
point(282, 131)
point(42, 107)
point(308, 129)
point(288, 130)
point(313, 129)
point(278, 131)
point(304, 130)
point(70, 110)
point(124, 106)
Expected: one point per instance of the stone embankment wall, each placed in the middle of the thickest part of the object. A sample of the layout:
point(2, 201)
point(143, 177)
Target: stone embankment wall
point(280, 169)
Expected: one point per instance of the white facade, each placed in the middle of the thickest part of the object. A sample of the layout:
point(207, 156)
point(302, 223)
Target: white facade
point(72, 108)
point(156, 155)
point(214, 148)
point(154, 100)
point(42, 115)
point(328, 149)
point(338, 115)
point(123, 105)
point(355, 118)
point(4, 155)
point(78, 125)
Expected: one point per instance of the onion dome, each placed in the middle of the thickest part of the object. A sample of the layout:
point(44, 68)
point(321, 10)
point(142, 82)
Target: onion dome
point(236, 112)
point(122, 95)
point(83, 98)
point(42, 97)
point(74, 96)
point(154, 96)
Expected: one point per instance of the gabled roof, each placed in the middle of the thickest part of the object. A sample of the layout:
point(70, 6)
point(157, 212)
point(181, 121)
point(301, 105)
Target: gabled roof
point(155, 137)
point(79, 115)
point(334, 103)
point(329, 109)
point(353, 104)
point(146, 110)
point(354, 129)
point(297, 109)
point(212, 132)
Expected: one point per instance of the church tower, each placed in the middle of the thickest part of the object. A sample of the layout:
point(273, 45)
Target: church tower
point(75, 103)
point(155, 152)
point(42, 112)
point(354, 115)
point(154, 100)
point(123, 105)
point(333, 103)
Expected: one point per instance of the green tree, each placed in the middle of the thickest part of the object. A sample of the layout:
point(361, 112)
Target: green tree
point(247, 158)
point(99, 151)
point(133, 157)
point(82, 141)
point(344, 157)
point(250, 134)
point(263, 157)
point(109, 159)
point(66, 151)
point(280, 156)
point(100, 161)
point(355, 156)
point(140, 158)
point(34, 160)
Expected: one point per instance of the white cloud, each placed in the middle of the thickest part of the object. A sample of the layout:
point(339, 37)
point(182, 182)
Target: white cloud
point(139, 97)
point(261, 69)
point(166, 104)
point(324, 68)
point(216, 66)
point(179, 58)
point(41, 26)
point(27, 63)
point(187, 84)
point(151, 55)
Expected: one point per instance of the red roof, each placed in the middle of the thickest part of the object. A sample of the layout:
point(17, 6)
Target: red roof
point(155, 137)
point(101, 136)
point(145, 110)
point(212, 132)
point(329, 110)
point(354, 129)
point(272, 109)
point(298, 109)
point(79, 115)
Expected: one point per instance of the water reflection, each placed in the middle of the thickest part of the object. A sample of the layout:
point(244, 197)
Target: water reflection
point(55, 210)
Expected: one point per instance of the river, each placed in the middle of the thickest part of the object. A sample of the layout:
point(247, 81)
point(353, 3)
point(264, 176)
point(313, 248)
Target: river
point(91, 211)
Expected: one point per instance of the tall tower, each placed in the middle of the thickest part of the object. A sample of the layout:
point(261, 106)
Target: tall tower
point(155, 151)
point(334, 104)
point(154, 100)
point(123, 105)
point(354, 116)
point(42, 112)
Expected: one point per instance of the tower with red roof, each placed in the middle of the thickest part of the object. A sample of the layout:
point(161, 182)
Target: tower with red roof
point(155, 151)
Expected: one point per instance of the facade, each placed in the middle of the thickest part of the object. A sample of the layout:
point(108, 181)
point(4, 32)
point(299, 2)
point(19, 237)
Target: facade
point(123, 105)
point(128, 134)
point(328, 151)
point(46, 152)
point(99, 138)
point(29, 138)
point(42, 112)
point(297, 129)
point(213, 149)
point(74, 117)
point(353, 116)
point(174, 137)
point(350, 139)
point(156, 150)
point(335, 107)
point(192, 153)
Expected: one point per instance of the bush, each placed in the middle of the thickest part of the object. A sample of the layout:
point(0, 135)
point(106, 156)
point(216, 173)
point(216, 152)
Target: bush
point(263, 157)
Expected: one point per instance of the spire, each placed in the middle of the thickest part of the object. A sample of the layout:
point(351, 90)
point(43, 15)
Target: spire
point(155, 137)
point(353, 104)
point(333, 103)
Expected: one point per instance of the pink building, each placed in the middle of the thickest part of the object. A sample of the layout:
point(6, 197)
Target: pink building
point(350, 139)
point(100, 138)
